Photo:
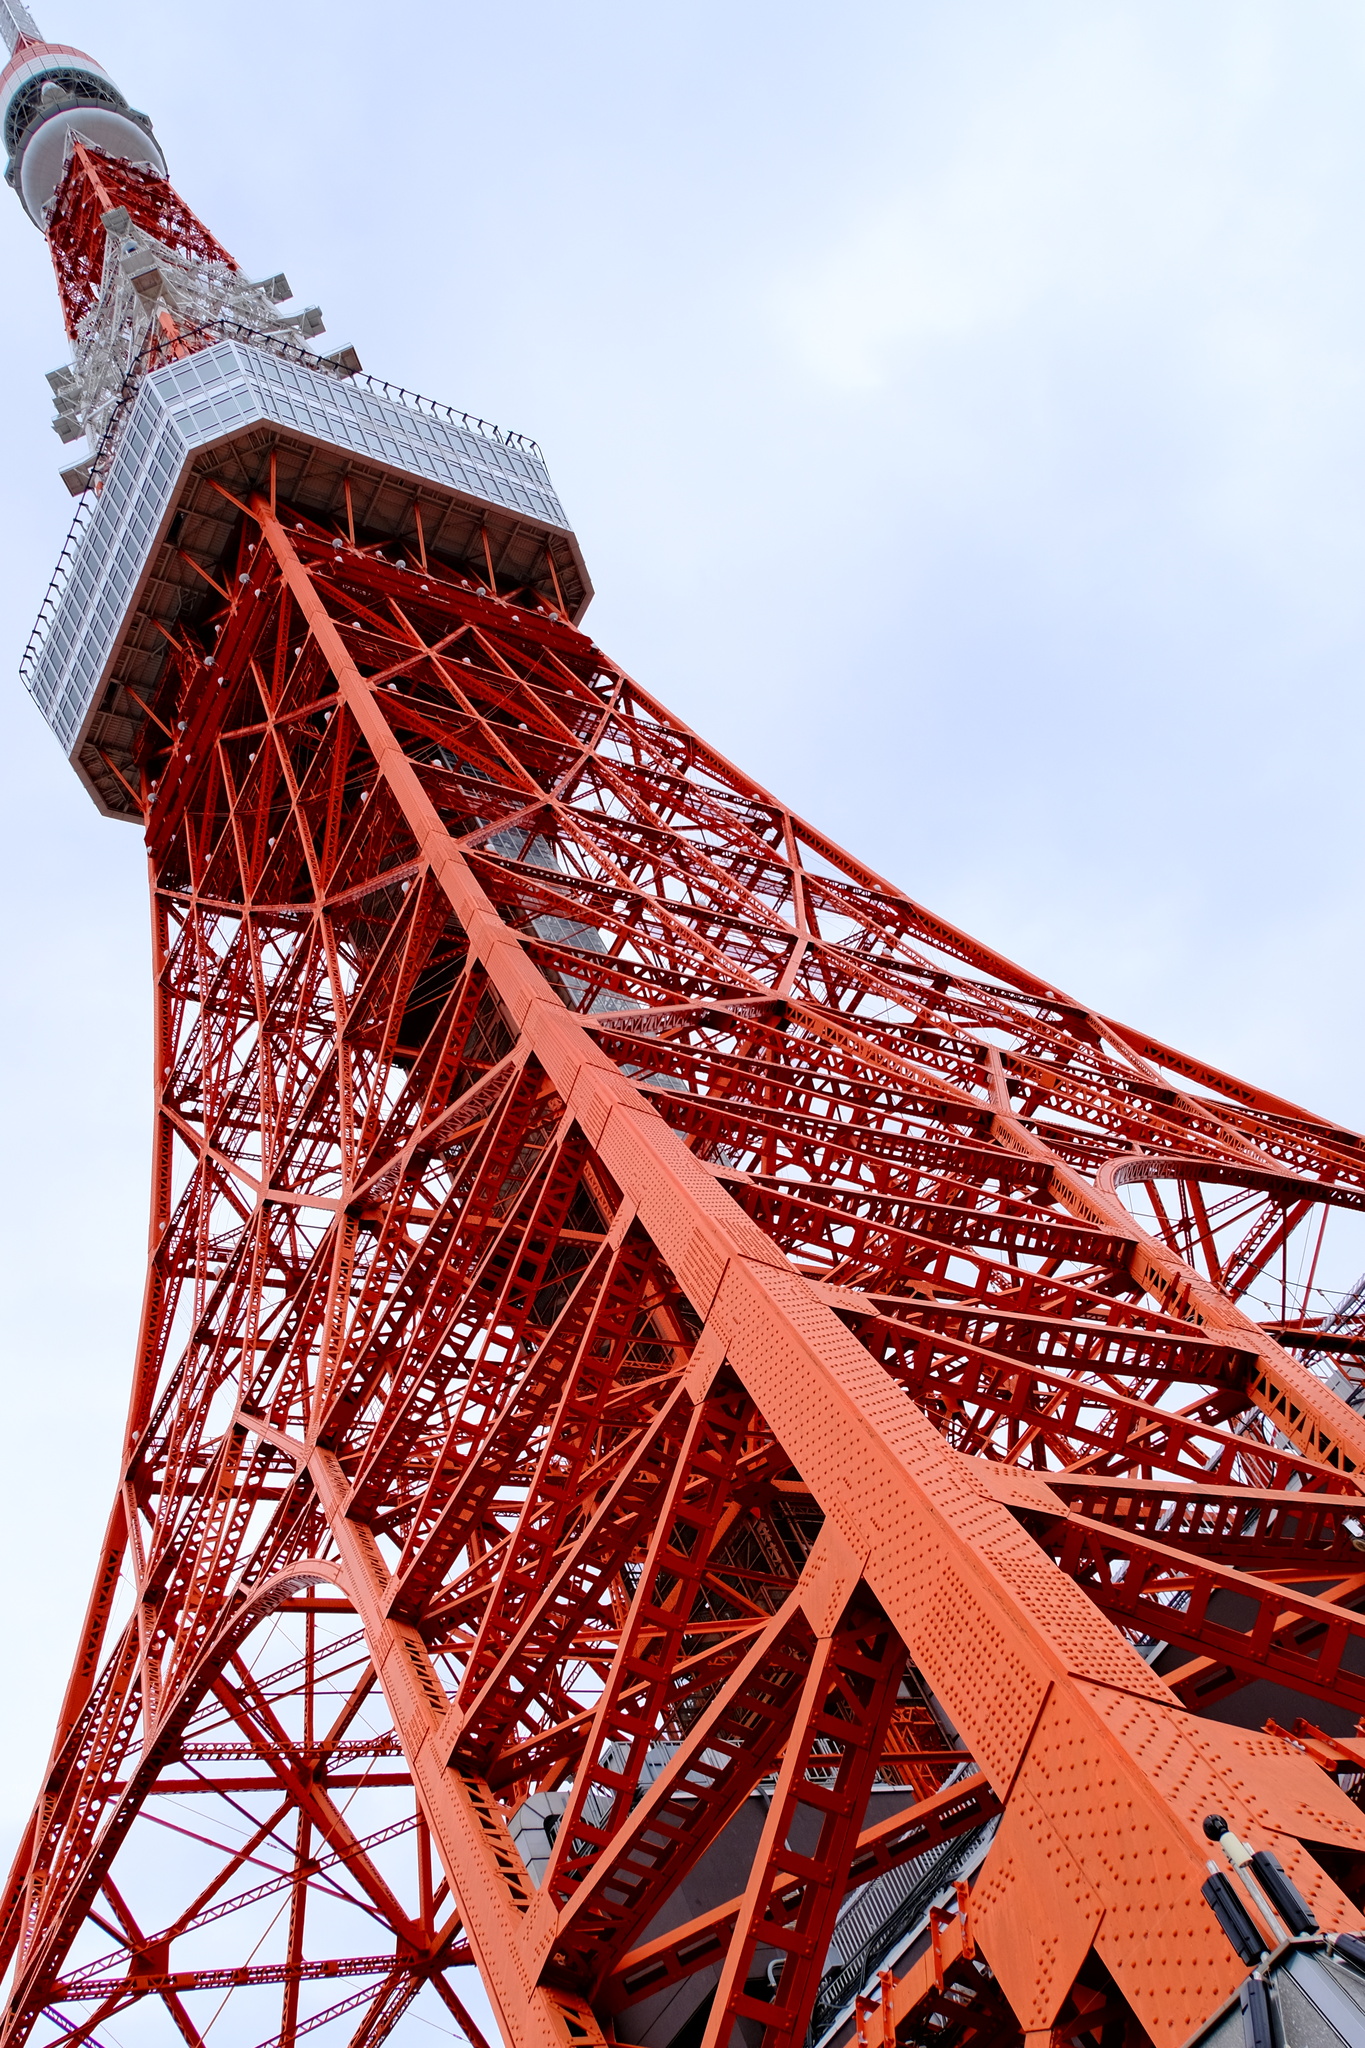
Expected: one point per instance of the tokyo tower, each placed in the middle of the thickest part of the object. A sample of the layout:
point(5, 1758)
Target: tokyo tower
point(701, 1445)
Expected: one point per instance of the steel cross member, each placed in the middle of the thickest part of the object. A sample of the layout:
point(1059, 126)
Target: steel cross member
point(649, 1343)
point(1034, 1679)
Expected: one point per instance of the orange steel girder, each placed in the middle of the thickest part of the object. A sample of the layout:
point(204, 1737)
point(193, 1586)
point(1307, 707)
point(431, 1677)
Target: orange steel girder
point(658, 1285)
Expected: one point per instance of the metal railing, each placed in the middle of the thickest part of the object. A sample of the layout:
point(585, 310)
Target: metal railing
point(56, 584)
point(207, 332)
point(840, 1987)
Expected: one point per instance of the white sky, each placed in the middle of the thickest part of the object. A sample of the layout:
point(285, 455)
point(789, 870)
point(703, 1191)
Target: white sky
point(960, 404)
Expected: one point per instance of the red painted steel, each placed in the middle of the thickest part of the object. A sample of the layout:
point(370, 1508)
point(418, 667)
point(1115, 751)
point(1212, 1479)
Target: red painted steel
point(640, 1313)
point(94, 184)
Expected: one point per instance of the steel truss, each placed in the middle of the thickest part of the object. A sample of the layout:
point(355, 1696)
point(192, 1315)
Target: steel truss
point(641, 1312)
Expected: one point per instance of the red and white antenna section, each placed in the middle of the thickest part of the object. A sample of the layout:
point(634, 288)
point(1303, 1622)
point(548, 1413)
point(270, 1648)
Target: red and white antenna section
point(138, 273)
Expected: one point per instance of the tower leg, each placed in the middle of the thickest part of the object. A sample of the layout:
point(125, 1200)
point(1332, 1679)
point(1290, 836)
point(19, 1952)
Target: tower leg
point(579, 1382)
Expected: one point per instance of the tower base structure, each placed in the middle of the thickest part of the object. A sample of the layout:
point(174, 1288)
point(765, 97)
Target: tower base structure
point(654, 1407)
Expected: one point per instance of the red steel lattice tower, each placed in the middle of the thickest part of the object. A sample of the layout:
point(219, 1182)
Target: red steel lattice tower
point(673, 1384)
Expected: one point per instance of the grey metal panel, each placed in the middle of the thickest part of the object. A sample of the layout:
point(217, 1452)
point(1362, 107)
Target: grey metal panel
point(186, 406)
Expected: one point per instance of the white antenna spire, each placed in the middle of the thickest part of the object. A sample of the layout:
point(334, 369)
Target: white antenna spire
point(16, 21)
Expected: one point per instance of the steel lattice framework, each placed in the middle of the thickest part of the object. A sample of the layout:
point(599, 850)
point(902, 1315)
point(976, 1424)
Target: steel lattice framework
point(94, 184)
point(638, 1311)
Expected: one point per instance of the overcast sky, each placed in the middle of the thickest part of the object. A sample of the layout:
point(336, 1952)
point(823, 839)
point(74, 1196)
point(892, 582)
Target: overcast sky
point(961, 409)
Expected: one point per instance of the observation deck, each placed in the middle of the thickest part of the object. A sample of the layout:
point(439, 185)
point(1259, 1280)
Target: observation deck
point(213, 426)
